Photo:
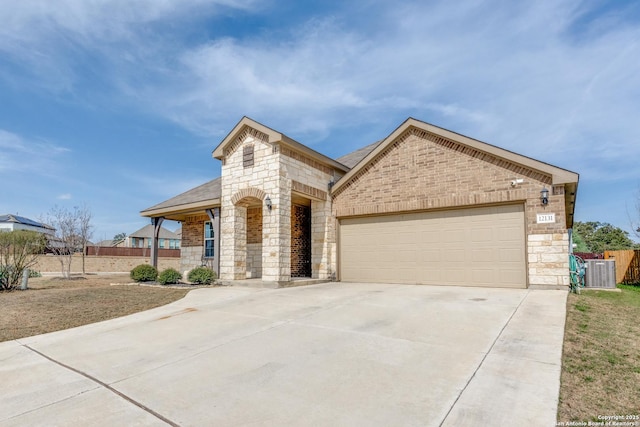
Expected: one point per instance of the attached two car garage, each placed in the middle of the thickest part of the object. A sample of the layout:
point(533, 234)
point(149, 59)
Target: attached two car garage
point(479, 246)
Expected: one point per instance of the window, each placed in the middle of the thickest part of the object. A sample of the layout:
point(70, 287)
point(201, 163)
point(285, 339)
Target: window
point(161, 243)
point(173, 244)
point(208, 240)
point(247, 156)
point(133, 242)
point(148, 243)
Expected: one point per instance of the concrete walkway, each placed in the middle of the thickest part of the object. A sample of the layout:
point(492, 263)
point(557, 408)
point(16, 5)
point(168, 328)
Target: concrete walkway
point(331, 354)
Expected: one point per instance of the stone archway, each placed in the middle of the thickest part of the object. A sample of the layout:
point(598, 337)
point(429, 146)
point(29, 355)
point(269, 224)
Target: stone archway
point(247, 233)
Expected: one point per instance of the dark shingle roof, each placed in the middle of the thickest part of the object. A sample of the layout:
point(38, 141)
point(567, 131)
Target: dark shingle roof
point(147, 231)
point(353, 158)
point(212, 189)
point(207, 191)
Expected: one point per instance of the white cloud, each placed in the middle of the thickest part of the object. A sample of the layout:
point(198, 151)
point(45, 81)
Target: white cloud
point(534, 77)
point(30, 156)
point(65, 196)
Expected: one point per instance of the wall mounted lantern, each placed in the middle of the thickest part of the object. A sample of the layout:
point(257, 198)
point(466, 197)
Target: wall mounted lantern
point(544, 196)
point(267, 201)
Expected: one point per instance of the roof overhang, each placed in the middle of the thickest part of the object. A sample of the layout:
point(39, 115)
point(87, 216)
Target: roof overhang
point(274, 137)
point(180, 212)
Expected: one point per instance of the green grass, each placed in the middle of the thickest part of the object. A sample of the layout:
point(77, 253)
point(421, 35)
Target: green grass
point(601, 357)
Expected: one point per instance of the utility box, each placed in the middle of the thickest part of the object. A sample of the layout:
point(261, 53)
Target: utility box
point(600, 273)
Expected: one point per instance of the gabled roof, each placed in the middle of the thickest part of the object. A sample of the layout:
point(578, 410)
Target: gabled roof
point(273, 137)
point(204, 196)
point(353, 158)
point(147, 231)
point(559, 175)
point(25, 221)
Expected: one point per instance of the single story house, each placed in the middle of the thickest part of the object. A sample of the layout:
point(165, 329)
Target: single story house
point(143, 238)
point(422, 206)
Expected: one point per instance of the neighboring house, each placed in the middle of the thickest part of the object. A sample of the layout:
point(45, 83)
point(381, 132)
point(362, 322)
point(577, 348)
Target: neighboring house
point(424, 205)
point(11, 222)
point(144, 237)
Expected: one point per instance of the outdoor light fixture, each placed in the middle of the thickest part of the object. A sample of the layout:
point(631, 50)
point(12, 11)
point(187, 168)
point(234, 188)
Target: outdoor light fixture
point(268, 203)
point(544, 196)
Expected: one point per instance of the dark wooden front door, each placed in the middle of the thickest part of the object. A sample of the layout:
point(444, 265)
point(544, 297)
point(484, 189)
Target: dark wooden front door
point(300, 241)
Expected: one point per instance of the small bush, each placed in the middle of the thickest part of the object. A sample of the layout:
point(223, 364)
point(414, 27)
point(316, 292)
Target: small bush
point(202, 276)
point(34, 273)
point(144, 273)
point(169, 276)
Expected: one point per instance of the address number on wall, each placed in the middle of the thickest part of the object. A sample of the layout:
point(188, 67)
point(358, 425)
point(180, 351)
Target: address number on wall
point(547, 218)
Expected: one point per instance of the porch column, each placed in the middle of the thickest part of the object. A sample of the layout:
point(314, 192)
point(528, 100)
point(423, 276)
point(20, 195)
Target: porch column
point(156, 222)
point(214, 216)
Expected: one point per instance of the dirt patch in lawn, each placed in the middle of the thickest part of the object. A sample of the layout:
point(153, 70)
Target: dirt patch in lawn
point(53, 303)
point(601, 357)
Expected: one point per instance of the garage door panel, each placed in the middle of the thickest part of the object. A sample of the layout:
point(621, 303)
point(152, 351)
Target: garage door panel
point(478, 247)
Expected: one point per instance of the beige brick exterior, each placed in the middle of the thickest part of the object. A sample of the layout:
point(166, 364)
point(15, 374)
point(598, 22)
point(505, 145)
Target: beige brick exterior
point(422, 171)
point(101, 264)
point(417, 168)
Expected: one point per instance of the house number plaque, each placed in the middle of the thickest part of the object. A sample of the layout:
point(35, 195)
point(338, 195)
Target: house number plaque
point(547, 218)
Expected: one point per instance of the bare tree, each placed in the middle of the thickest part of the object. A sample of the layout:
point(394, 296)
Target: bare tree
point(73, 230)
point(85, 229)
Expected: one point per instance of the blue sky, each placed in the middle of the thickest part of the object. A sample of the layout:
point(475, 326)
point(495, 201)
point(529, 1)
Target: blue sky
point(118, 104)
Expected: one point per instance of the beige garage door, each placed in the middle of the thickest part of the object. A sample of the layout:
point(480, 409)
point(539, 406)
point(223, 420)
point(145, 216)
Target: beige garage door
point(482, 246)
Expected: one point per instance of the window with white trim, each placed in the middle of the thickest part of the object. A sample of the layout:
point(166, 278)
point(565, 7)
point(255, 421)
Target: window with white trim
point(209, 239)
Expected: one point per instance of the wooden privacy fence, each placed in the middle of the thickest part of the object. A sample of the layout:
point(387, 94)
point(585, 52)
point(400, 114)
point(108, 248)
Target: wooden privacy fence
point(627, 265)
point(137, 252)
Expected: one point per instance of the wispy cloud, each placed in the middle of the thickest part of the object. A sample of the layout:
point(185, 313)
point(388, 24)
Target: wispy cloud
point(65, 196)
point(23, 155)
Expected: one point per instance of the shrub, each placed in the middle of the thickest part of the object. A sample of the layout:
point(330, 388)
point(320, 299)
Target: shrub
point(144, 273)
point(202, 276)
point(34, 273)
point(169, 276)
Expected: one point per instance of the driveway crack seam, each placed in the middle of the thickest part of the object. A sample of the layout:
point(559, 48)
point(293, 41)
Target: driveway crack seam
point(483, 359)
point(107, 386)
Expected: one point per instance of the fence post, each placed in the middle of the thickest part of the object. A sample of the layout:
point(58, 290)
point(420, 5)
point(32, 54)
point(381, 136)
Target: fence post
point(25, 279)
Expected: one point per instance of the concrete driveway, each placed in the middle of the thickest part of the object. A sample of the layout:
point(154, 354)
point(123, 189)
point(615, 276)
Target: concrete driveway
point(334, 354)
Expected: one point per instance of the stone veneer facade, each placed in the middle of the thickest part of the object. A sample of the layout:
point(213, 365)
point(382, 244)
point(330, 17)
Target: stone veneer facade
point(277, 172)
point(416, 171)
point(422, 171)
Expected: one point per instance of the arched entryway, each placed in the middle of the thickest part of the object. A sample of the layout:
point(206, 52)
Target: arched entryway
point(248, 233)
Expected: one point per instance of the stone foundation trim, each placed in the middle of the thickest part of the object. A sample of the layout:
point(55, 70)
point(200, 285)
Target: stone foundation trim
point(548, 260)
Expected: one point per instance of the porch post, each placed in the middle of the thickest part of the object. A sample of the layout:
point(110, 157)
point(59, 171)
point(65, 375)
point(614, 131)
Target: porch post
point(214, 217)
point(218, 236)
point(156, 222)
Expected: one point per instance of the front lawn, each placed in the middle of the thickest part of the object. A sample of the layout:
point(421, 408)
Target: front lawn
point(601, 357)
point(52, 304)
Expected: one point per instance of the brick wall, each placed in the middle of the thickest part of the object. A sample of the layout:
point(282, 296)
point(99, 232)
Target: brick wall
point(421, 171)
point(193, 230)
point(300, 241)
point(254, 225)
point(101, 264)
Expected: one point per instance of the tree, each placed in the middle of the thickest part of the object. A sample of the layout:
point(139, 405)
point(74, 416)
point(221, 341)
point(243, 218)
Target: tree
point(119, 238)
point(73, 230)
point(85, 229)
point(19, 250)
point(601, 236)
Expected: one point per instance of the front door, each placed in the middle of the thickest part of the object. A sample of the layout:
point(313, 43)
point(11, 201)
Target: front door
point(300, 241)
